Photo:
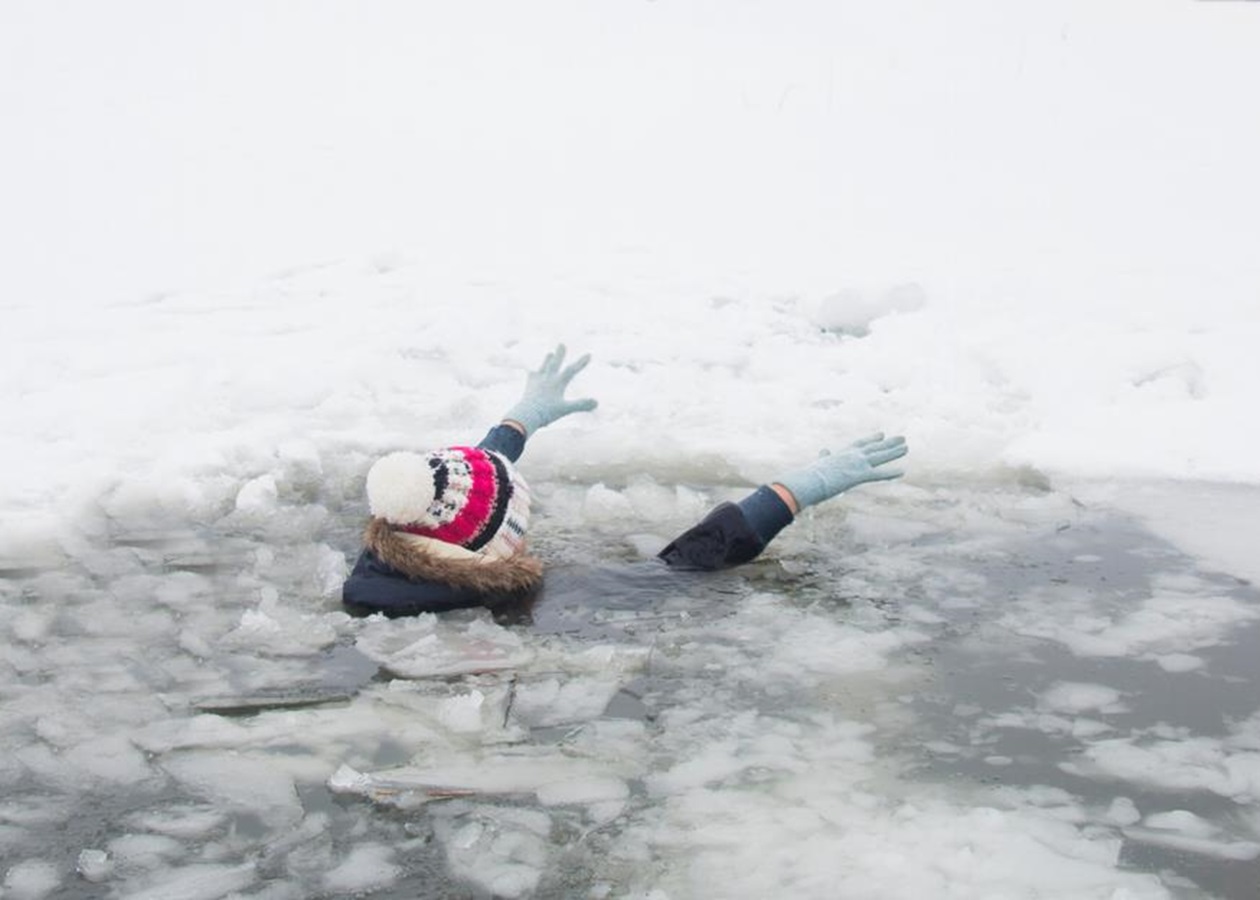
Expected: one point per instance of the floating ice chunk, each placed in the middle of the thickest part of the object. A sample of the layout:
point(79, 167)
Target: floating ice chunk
point(31, 626)
point(349, 780)
point(806, 646)
point(386, 790)
point(142, 500)
point(94, 865)
point(258, 495)
point(652, 501)
point(646, 546)
point(196, 882)
point(605, 811)
point(1179, 662)
point(368, 867)
point(421, 646)
point(1078, 697)
point(199, 731)
point(1183, 821)
point(275, 631)
point(492, 774)
point(185, 822)
point(747, 844)
point(1246, 734)
point(462, 714)
point(466, 836)
point(1043, 797)
point(240, 782)
point(509, 879)
point(757, 747)
point(1087, 728)
point(1170, 624)
point(555, 701)
point(602, 506)
point(606, 660)
point(501, 850)
point(330, 570)
point(31, 879)
point(302, 849)
point(1187, 764)
point(1123, 811)
point(580, 791)
point(453, 705)
point(69, 773)
point(1187, 843)
point(301, 465)
point(142, 852)
point(111, 759)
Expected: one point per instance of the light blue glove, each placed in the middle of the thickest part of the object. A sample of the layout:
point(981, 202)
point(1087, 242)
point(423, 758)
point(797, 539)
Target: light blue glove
point(854, 465)
point(544, 401)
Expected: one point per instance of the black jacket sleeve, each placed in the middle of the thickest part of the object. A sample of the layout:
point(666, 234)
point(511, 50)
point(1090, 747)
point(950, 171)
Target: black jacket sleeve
point(506, 440)
point(731, 534)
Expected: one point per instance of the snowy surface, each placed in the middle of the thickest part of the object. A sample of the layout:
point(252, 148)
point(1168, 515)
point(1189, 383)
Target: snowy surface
point(252, 246)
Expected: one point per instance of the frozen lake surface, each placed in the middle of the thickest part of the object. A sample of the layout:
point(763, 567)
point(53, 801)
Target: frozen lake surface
point(988, 689)
point(250, 248)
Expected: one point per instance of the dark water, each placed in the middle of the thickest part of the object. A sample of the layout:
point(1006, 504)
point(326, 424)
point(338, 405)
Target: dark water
point(1009, 675)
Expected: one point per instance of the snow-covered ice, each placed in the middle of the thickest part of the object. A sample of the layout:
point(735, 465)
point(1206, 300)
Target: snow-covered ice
point(250, 248)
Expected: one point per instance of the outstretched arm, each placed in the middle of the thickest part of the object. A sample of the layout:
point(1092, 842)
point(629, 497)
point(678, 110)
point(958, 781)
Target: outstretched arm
point(833, 474)
point(542, 403)
point(735, 533)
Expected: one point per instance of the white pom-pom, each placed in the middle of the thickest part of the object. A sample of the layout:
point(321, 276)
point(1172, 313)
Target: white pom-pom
point(400, 488)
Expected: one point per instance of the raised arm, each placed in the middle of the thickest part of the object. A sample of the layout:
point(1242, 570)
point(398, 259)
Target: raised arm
point(542, 403)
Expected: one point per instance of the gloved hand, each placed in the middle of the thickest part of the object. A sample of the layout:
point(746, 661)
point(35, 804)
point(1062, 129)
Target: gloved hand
point(856, 464)
point(544, 401)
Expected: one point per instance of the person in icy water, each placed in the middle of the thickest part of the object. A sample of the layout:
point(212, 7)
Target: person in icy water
point(448, 527)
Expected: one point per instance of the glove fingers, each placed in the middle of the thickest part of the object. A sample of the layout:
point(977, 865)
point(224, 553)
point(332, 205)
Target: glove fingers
point(888, 444)
point(869, 439)
point(567, 375)
point(879, 457)
point(586, 404)
point(554, 361)
point(886, 474)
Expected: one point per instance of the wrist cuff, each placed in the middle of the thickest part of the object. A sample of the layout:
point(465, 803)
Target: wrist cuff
point(766, 512)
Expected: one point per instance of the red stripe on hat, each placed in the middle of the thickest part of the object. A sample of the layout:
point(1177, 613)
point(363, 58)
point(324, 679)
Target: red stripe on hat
point(469, 521)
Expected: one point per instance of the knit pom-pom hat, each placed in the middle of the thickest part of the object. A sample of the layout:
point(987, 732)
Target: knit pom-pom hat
point(459, 497)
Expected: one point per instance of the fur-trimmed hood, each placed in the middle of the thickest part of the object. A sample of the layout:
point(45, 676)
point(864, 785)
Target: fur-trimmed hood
point(412, 558)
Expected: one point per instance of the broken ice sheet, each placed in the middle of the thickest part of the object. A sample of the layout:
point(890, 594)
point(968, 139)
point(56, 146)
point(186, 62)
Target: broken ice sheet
point(200, 881)
point(424, 646)
point(1077, 697)
point(274, 630)
point(503, 850)
point(367, 867)
point(1182, 830)
point(1166, 627)
point(473, 705)
point(239, 782)
point(1182, 764)
point(560, 777)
